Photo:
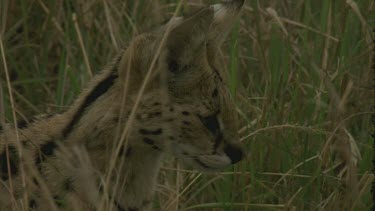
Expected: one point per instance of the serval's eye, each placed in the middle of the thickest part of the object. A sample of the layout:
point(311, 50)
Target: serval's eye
point(211, 123)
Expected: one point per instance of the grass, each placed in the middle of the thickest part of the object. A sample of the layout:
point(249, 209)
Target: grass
point(301, 71)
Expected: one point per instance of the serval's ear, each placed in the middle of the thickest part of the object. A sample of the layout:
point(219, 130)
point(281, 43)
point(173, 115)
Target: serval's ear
point(225, 15)
point(189, 33)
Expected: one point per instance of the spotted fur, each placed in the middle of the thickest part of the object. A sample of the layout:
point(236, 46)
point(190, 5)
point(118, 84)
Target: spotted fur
point(104, 153)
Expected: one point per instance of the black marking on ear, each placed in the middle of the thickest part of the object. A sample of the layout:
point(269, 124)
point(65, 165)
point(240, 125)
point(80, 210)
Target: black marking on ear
point(32, 204)
point(13, 161)
point(98, 91)
point(46, 150)
point(151, 132)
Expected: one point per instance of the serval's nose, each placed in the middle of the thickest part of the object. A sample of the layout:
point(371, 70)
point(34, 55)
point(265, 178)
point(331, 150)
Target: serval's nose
point(235, 153)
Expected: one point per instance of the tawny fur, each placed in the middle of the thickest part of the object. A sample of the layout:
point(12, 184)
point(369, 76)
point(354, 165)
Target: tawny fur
point(185, 109)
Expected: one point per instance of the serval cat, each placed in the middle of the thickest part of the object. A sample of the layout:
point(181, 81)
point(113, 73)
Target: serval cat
point(166, 92)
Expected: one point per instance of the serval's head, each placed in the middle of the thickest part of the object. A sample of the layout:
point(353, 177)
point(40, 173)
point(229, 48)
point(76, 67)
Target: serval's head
point(196, 118)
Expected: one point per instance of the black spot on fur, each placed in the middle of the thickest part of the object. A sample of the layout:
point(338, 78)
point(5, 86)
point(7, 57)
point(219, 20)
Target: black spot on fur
point(13, 161)
point(68, 184)
point(35, 181)
point(150, 142)
point(155, 147)
point(23, 123)
point(98, 91)
point(46, 150)
point(122, 149)
point(214, 93)
point(32, 204)
point(101, 188)
point(151, 132)
point(217, 73)
point(127, 153)
point(58, 201)
point(173, 66)
point(169, 120)
point(154, 114)
point(185, 113)
point(24, 143)
point(156, 104)
point(171, 138)
point(171, 109)
point(146, 203)
point(186, 122)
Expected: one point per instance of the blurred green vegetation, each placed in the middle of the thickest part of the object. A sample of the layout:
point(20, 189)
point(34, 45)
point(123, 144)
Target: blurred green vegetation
point(303, 75)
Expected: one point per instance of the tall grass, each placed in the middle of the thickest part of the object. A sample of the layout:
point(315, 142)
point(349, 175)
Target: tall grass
point(301, 71)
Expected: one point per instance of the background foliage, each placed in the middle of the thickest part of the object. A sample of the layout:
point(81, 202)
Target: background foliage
point(302, 75)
